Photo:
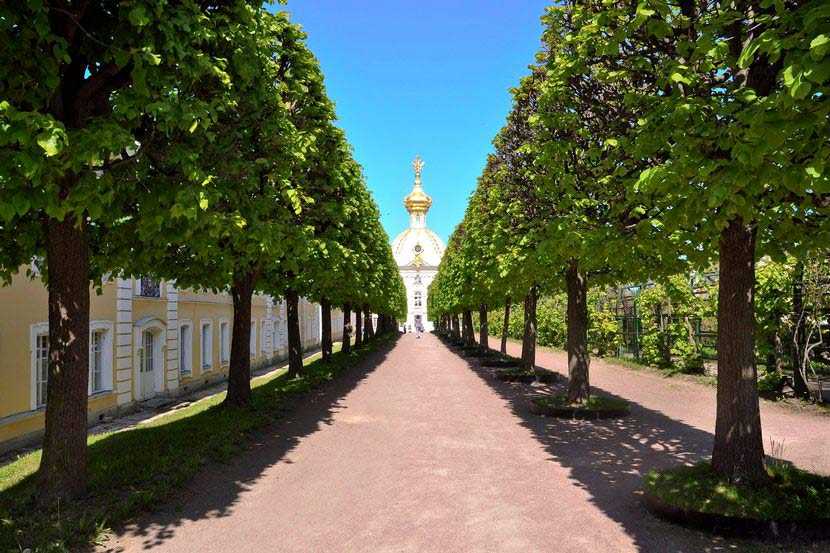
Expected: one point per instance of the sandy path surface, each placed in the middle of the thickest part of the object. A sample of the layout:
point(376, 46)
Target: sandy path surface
point(421, 450)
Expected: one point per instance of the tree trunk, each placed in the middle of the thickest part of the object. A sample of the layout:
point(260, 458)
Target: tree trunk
point(483, 334)
point(239, 371)
point(738, 453)
point(368, 330)
point(456, 326)
point(469, 332)
point(579, 389)
point(295, 343)
point(325, 338)
point(358, 328)
point(347, 328)
point(63, 471)
point(798, 342)
point(506, 327)
point(529, 336)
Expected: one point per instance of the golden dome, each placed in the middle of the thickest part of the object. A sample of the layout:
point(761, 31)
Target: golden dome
point(417, 201)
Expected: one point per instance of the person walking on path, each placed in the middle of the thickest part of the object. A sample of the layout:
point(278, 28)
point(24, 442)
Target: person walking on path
point(419, 328)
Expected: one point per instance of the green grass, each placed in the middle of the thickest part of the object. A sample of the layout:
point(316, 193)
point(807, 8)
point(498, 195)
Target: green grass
point(790, 495)
point(132, 471)
point(671, 371)
point(594, 403)
point(517, 371)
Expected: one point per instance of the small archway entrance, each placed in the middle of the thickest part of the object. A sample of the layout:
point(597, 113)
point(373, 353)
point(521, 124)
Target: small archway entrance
point(148, 358)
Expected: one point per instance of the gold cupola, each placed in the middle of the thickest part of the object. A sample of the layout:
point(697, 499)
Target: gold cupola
point(417, 202)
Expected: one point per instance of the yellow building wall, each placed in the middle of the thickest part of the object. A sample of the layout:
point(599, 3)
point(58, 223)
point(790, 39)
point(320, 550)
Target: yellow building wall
point(193, 309)
point(31, 423)
point(23, 304)
point(196, 307)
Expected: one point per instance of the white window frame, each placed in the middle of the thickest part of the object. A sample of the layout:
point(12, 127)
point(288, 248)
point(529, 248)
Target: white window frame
point(202, 324)
point(224, 342)
point(35, 330)
point(264, 332)
point(276, 342)
point(106, 329)
point(417, 299)
point(253, 338)
point(186, 355)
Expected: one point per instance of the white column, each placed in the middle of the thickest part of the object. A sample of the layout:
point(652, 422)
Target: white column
point(172, 342)
point(268, 329)
point(283, 336)
point(124, 341)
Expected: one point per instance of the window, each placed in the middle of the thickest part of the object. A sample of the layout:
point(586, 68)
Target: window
point(100, 356)
point(96, 361)
point(276, 342)
point(253, 338)
point(207, 346)
point(149, 288)
point(265, 330)
point(274, 337)
point(148, 342)
point(185, 350)
point(224, 343)
point(41, 368)
point(417, 301)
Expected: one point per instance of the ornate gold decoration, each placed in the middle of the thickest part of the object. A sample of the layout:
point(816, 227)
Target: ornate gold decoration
point(417, 166)
point(417, 201)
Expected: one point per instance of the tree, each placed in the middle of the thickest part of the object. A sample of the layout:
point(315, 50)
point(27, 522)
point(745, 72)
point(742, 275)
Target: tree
point(728, 98)
point(241, 209)
point(85, 87)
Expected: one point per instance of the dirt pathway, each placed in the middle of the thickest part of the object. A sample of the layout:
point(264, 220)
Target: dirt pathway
point(422, 450)
point(804, 436)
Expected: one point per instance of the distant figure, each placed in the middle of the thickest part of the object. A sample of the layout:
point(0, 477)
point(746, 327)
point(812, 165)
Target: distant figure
point(419, 328)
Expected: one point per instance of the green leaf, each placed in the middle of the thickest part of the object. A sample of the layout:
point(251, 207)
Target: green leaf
point(801, 90)
point(819, 46)
point(138, 16)
point(679, 78)
point(814, 170)
point(748, 55)
point(50, 142)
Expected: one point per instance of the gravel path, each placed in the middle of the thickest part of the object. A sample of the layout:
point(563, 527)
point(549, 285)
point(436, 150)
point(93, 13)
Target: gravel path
point(421, 450)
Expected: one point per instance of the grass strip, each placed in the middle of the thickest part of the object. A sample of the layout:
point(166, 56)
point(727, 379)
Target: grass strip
point(132, 471)
point(595, 407)
point(790, 494)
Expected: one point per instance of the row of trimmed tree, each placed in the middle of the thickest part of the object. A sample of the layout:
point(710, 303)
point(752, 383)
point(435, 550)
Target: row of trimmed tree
point(189, 141)
point(649, 139)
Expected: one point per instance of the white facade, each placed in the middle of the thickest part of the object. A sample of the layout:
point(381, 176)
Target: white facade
point(417, 251)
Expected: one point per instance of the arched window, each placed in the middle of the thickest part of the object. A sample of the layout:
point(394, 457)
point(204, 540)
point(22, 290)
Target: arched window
point(417, 299)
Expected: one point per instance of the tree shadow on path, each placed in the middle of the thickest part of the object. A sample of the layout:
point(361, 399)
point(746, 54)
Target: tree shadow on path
point(217, 490)
point(609, 458)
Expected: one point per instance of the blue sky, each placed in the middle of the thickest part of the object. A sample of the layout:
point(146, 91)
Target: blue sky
point(426, 77)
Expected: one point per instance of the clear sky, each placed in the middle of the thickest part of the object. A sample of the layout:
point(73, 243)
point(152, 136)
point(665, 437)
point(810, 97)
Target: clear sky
point(428, 77)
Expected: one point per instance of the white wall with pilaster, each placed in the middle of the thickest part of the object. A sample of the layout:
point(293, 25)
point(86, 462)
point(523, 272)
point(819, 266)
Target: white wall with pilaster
point(124, 341)
point(172, 341)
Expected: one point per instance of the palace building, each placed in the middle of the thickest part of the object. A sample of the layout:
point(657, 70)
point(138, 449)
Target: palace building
point(417, 251)
point(148, 339)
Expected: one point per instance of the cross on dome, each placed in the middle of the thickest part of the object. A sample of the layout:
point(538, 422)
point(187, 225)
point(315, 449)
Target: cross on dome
point(418, 166)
